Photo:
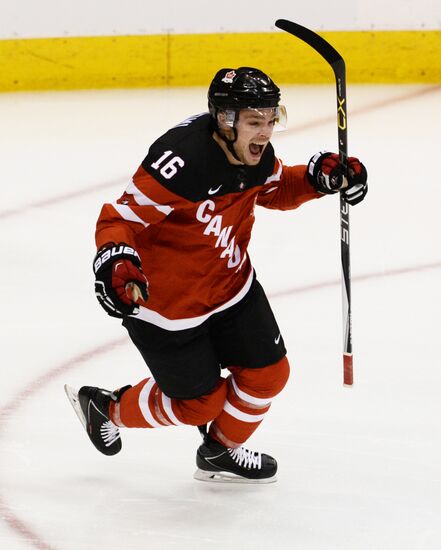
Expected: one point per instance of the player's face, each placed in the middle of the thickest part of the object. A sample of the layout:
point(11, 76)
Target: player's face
point(254, 130)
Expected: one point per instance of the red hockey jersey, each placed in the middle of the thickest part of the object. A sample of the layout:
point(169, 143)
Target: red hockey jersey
point(189, 214)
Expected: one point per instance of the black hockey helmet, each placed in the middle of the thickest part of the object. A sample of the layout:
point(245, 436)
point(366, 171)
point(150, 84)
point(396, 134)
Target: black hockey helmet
point(245, 87)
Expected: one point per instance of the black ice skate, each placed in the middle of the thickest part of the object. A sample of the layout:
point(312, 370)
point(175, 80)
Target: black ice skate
point(92, 408)
point(218, 463)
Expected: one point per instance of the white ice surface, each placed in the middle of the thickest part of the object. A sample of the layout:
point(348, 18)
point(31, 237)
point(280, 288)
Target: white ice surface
point(359, 468)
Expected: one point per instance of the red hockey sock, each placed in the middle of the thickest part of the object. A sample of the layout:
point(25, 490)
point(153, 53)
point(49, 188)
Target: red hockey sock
point(146, 406)
point(249, 396)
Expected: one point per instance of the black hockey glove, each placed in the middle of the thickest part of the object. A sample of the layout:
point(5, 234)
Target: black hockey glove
point(119, 276)
point(326, 175)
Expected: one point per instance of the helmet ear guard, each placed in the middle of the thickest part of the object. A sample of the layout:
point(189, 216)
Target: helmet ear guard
point(227, 117)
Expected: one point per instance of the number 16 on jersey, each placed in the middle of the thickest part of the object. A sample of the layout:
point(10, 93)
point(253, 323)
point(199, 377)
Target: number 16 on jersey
point(171, 167)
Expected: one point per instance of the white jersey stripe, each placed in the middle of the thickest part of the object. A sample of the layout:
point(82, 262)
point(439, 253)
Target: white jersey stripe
point(144, 404)
point(159, 320)
point(231, 409)
point(250, 398)
point(277, 175)
point(143, 200)
point(166, 402)
point(127, 213)
point(242, 262)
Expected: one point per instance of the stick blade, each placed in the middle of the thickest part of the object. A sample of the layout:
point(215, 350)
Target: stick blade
point(313, 39)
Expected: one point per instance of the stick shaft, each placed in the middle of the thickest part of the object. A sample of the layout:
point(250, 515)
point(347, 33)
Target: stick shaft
point(331, 55)
point(342, 125)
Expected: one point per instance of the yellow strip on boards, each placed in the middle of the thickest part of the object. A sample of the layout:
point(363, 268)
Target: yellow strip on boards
point(189, 60)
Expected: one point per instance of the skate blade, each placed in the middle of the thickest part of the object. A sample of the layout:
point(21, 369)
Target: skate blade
point(72, 395)
point(226, 477)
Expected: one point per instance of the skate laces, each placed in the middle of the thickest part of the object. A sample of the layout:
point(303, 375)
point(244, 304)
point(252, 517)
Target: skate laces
point(250, 459)
point(109, 433)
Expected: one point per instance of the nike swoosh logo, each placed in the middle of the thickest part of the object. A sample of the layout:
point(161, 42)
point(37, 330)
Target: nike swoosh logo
point(277, 340)
point(212, 191)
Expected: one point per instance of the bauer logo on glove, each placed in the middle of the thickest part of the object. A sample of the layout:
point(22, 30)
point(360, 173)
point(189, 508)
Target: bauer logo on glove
point(109, 253)
point(120, 282)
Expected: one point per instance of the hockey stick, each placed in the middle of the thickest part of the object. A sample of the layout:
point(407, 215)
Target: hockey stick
point(337, 63)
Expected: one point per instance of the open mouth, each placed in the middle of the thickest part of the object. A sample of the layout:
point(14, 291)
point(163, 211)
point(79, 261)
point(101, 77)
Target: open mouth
point(256, 149)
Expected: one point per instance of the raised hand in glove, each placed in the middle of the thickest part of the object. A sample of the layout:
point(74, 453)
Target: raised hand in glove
point(120, 282)
point(327, 175)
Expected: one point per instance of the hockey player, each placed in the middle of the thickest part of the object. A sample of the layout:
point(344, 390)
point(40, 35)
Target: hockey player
point(172, 263)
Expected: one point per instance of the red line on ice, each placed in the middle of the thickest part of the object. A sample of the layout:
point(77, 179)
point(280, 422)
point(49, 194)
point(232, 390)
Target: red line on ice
point(301, 127)
point(62, 198)
point(7, 412)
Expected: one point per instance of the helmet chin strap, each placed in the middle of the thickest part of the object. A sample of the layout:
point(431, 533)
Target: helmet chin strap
point(229, 142)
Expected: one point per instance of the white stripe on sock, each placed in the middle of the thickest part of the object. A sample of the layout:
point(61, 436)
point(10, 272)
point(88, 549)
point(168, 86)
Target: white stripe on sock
point(166, 402)
point(144, 404)
point(262, 402)
point(244, 417)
